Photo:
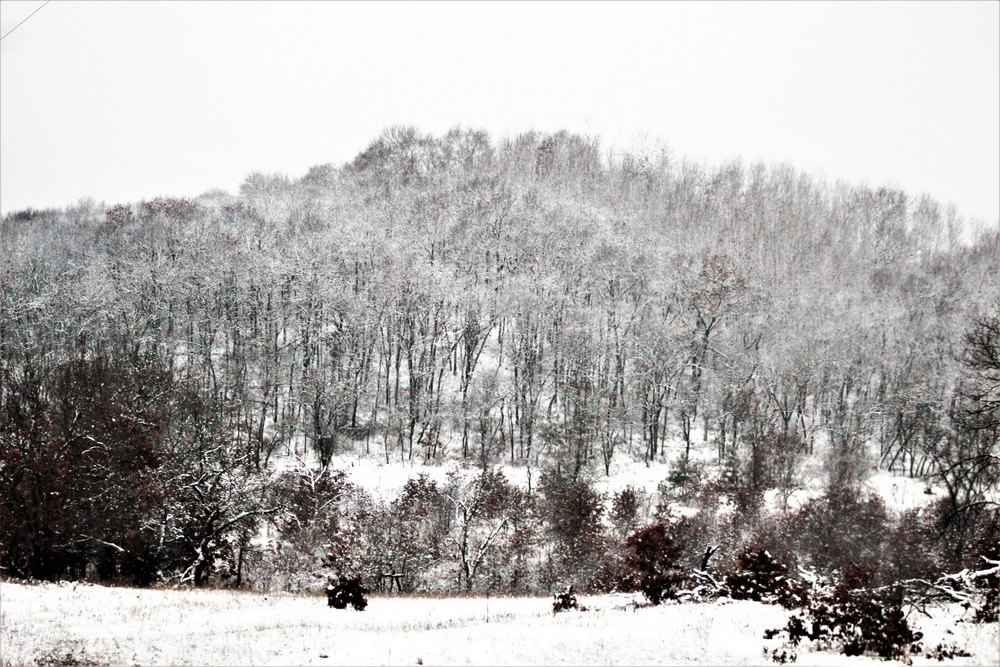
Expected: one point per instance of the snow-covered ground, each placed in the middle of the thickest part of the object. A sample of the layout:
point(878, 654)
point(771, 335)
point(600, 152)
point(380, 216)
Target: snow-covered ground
point(213, 627)
point(385, 481)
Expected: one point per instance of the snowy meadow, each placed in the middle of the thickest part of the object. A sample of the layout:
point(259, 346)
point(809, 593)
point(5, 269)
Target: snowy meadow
point(84, 624)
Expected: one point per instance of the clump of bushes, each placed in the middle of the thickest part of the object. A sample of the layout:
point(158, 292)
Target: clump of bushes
point(855, 622)
point(840, 529)
point(943, 652)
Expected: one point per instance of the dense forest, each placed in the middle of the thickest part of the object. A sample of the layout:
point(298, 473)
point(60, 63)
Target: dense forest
point(177, 375)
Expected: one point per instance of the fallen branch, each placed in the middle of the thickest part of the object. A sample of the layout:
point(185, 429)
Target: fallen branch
point(955, 587)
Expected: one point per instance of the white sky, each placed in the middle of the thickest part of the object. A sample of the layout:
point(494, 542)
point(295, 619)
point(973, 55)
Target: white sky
point(128, 100)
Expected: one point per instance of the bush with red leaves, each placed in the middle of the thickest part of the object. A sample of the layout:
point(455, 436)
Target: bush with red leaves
point(651, 563)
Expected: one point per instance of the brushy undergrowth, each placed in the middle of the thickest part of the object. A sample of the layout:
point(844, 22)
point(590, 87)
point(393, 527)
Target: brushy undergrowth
point(855, 622)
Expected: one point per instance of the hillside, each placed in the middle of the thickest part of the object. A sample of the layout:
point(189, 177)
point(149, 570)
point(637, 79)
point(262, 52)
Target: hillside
point(571, 346)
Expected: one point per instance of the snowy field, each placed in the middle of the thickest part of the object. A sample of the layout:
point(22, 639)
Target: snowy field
point(84, 624)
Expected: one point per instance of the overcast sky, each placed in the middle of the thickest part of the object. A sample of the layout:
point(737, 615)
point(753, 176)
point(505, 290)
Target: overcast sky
point(122, 101)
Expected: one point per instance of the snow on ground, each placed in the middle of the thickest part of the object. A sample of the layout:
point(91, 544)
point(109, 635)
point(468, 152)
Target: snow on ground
point(385, 480)
point(899, 492)
point(185, 626)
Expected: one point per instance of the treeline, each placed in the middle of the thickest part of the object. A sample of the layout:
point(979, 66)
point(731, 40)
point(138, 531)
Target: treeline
point(531, 302)
point(481, 533)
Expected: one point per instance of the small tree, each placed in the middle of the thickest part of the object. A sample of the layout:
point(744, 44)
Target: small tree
point(625, 507)
point(213, 493)
point(572, 512)
point(762, 578)
point(840, 529)
point(651, 562)
point(407, 536)
point(487, 509)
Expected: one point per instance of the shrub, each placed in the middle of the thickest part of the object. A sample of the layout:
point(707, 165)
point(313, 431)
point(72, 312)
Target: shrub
point(988, 610)
point(774, 534)
point(612, 574)
point(762, 578)
point(781, 656)
point(565, 601)
point(841, 529)
point(689, 482)
point(913, 549)
point(855, 623)
point(685, 474)
point(651, 562)
point(943, 652)
point(346, 591)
